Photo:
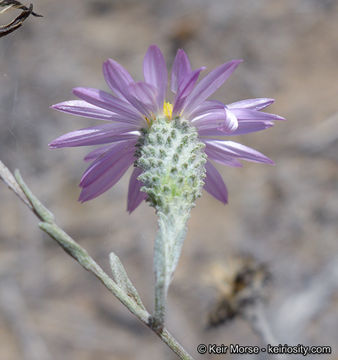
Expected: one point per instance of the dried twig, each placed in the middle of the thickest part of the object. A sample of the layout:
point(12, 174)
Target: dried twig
point(18, 21)
point(17, 5)
point(296, 312)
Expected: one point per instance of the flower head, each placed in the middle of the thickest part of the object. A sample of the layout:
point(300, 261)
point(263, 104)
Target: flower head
point(134, 108)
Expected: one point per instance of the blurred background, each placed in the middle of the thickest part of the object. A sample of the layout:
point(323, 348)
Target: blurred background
point(284, 217)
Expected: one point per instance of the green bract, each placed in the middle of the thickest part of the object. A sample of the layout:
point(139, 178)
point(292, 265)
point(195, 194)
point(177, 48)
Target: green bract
point(172, 159)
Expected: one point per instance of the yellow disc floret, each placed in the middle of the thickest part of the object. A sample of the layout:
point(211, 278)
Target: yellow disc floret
point(168, 110)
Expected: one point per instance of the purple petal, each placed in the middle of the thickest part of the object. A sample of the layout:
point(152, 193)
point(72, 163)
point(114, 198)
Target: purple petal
point(214, 183)
point(155, 72)
point(119, 80)
point(96, 135)
point(135, 195)
point(237, 150)
point(246, 127)
point(210, 84)
point(247, 114)
point(220, 119)
point(253, 104)
point(105, 182)
point(82, 108)
point(221, 157)
point(105, 172)
point(180, 69)
point(102, 164)
point(231, 121)
point(117, 77)
point(144, 96)
point(109, 102)
point(206, 107)
point(185, 88)
point(211, 132)
point(93, 155)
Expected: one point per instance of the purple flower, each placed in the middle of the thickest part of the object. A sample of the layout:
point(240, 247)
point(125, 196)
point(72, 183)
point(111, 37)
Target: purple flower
point(136, 105)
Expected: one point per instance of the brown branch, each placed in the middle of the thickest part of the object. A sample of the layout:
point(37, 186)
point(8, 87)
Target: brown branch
point(16, 5)
point(18, 21)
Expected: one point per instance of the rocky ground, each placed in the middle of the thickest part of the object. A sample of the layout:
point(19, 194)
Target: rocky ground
point(284, 216)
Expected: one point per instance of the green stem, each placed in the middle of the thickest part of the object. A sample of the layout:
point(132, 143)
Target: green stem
point(84, 259)
point(174, 345)
point(72, 248)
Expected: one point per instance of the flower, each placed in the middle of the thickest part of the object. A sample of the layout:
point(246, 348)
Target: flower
point(136, 106)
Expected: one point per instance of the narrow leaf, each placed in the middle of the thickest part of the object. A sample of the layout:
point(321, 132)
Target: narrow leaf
point(122, 280)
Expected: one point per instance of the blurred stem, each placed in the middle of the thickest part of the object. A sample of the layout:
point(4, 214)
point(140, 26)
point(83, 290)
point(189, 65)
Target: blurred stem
point(255, 315)
point(71, 247)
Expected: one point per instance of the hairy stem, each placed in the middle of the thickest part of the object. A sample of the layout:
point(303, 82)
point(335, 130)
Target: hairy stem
point(168, 244)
